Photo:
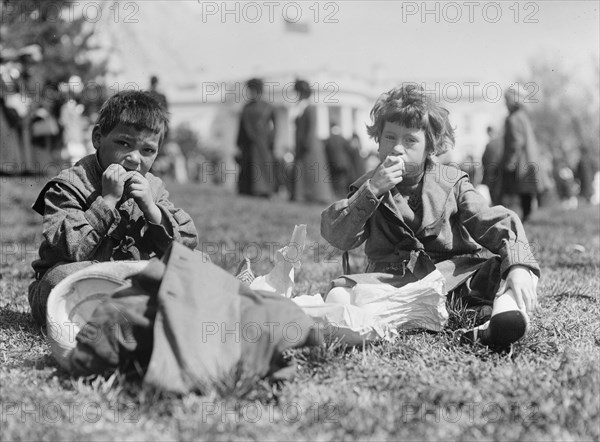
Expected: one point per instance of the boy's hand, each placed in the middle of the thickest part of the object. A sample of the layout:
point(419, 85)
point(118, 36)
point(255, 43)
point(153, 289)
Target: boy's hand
point(113, 184)
point(138, 188)
point(520, 281)
point(387, 175)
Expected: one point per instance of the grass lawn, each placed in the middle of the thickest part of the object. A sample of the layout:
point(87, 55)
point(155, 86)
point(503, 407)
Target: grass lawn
point(423, 386)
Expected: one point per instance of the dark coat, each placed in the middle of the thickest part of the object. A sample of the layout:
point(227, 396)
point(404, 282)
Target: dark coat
point(339, 163)
point(521, 162)
point(337, 149)
point(255, 140)
point(492, 168)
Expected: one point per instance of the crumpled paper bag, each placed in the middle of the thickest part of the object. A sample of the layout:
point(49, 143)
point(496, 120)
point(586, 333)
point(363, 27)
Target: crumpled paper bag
point(420, 304)
point(280, 280)
point(377, 311)
point(349, 324)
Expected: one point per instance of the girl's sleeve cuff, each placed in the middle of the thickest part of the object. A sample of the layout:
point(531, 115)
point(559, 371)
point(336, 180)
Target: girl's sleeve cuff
point(363, 203)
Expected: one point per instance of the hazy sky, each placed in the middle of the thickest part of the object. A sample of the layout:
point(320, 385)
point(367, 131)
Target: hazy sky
point(450, 41)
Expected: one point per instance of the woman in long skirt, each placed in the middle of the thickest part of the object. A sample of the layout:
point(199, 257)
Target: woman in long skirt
point(312, 182)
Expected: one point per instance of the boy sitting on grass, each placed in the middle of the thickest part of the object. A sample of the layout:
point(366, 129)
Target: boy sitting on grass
point(108, 206)
point(416, 215)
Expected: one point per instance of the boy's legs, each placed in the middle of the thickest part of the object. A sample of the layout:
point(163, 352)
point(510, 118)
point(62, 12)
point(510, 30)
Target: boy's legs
point(39, 290)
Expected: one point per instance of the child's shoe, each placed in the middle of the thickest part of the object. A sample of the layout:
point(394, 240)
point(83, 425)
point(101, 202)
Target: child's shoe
point(500, 331)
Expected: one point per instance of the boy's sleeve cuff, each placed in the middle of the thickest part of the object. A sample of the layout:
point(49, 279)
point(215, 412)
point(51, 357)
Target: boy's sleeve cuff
point(159, 237)
point(160, 234)
point(102, 217)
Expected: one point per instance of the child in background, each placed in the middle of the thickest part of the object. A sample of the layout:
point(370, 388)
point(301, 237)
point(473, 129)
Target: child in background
point(416, 215)
point(108, 206)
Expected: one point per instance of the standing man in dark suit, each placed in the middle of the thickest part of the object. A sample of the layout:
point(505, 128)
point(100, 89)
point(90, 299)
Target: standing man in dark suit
point(520, 176)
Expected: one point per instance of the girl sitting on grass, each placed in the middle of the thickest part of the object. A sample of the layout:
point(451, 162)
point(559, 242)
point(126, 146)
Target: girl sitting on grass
point(416, 215)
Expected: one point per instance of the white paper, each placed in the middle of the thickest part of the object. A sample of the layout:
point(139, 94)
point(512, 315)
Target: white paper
point(288, 259)
point(378, 310)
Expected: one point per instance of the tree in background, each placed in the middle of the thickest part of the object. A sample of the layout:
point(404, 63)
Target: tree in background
point(565, 106)
point(65, 38)
point(46, 60)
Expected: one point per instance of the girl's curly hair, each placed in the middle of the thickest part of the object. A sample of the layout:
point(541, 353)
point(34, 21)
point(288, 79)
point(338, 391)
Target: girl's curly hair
point(410, 106)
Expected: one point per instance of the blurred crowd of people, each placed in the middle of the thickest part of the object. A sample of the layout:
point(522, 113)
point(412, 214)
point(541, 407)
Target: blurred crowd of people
point(514, 170)
point(48, 124)
point(41, 122)
point(518, 172)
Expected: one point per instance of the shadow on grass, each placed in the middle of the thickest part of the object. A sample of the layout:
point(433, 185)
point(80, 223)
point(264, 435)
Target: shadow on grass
point(11, 320)
point(24, 341)
point(571, 295)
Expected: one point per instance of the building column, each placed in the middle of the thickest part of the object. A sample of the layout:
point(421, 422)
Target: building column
point(322, 122)
point(361, 118)
point(284, 136)
point(346, 121)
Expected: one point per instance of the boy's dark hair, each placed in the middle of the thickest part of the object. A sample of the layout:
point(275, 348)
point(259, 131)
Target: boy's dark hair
point(303, 89)
point(134, 108)
point(410, 106)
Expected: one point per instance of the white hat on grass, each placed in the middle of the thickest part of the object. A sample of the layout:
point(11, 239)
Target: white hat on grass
point(73, 301)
